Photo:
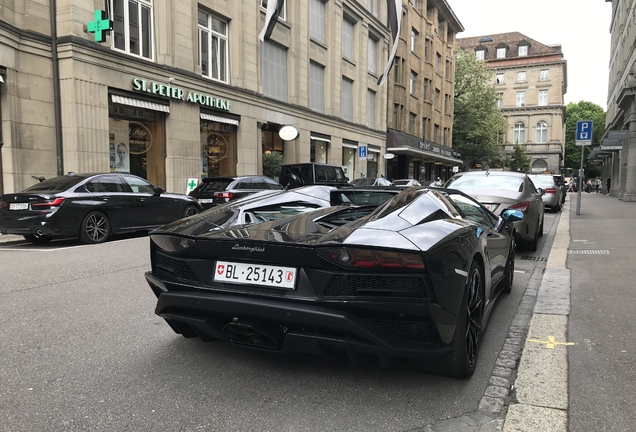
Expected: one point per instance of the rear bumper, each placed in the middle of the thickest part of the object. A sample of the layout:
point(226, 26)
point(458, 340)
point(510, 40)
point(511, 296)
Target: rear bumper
point(552, 200)
point(37, 225)
point(314, 327)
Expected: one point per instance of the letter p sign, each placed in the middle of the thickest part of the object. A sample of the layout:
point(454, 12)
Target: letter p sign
point(584, 132)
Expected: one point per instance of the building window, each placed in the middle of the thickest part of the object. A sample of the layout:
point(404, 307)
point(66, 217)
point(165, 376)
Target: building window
point(425, 95)
point(543, 97)
point(521, 98)
point(446, 103)
point(500, 78)
point(372, 55)
point(438, 62)
point(274, 70)
point(347, 99)
point(283, 13)
point(446, 133)
point(347, 38)
point(542, 132)
point(396, 70)
point(523, 50)
point(373, 7)
point(436, 134)
point(133, 27)
point(396, 109)
point(414, 35)
point(544, 75)
point(427, 49)
point(448, 69)
point(521, 77)
point(436, 102)
point(499, 100)
point(480, 54)
point(520, 133)
point(416, 4)
point(413, 83)
point(371, 108)
point(501, 52)
point(412, 123)
point(318, 152)
point(440, 29)
point(425, 126)
point(316, 87)
point(349, 156)
point(317, 21)
point(213, 46)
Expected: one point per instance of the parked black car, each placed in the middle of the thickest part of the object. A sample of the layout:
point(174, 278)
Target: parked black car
point(560, 180)
point(306, 174)
point(415, 276)
point(91, 206)
point(219, 190)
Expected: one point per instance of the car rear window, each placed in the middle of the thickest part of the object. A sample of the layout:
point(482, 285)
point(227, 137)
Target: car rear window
point(57, 184)
point(360, 198)
point(214, 186)
point(482, 181)
point(543, 181)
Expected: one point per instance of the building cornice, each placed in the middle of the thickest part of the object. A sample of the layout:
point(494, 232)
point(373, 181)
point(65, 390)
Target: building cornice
point(26, 34)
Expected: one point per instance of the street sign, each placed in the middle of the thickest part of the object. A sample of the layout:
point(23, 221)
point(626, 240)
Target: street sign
point(389, 155)
point(584, 132)
point(618, 134)
point(455, 169)
point(362, 152)
point(192, 184)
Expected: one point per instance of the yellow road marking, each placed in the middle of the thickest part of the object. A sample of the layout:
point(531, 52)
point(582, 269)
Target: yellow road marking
point(550, 343)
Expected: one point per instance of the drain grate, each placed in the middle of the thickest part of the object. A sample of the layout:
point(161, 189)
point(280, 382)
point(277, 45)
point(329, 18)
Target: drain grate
point(589, 252)
point(533, 258)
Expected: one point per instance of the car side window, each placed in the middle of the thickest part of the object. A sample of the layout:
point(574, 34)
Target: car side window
point(321, 174)
point(533, 190)
point(112, 184)
point(472, 210)
point(139, 185)
point(95, 186)
point(245, 184)
point(259, 184)
point(273, 185)
point(331, 174)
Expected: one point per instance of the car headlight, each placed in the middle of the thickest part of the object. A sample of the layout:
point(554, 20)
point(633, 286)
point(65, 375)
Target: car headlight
point(172, 244)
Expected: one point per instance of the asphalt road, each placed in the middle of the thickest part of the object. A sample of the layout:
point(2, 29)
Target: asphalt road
point(83, 350)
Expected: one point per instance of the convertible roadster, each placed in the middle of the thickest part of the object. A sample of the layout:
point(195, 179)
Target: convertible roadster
point(413, 274)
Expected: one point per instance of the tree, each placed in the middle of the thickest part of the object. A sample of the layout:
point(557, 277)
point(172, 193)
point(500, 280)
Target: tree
point(519, 160)
point(574, 112)
point(478, 124)
point(272, 162)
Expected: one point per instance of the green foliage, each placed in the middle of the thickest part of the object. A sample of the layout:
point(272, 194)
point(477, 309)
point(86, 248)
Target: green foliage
point(272, 162)
point(574, 112)
point(478, 124)
point(519, 160)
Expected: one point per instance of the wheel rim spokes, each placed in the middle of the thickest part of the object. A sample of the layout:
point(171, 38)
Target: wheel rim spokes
point(191, 212)
point(96, 227)
point(473, 311)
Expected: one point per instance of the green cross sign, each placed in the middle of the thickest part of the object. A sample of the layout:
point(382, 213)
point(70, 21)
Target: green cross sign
point(192, 184)
point(100, 25)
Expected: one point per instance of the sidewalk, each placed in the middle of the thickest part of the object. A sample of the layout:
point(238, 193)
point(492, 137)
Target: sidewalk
point(577, 370)
point(8, 238)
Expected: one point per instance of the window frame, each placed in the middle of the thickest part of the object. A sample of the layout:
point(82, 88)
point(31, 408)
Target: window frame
point(343, 101)
point(497, 76)
point(372, 42)
point(541, 132)
point(371, 113)
point(521, 99)
point(519, 133)
point(262, 60)
point(313, 18)
point(541, 75)
point(345, 53)
point(521, 76)
point(543, 97)
point(283, 12)
point(126, 28)
point(480, 54)
point(316, 98)
point(501, 51)
point(211, 15)
point(413, 83)
point(414, 37)
point(525, 50)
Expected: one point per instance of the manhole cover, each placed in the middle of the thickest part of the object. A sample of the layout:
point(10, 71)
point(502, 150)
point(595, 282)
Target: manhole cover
point(533, 258)
point(589, 252)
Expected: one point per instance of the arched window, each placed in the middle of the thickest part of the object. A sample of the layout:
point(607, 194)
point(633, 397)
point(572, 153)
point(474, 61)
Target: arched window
point(520, 133)
point(542, 132)
point(539, 166)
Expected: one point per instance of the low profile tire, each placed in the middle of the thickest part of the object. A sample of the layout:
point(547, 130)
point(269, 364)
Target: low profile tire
point(95, 228)
point(190, 211)
point(461, 362)
point(557, 208)
point(509, 273)
point(37, 240)
point(540, 233)
point(533, 244)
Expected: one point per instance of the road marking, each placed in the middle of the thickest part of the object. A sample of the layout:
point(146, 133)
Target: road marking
point(550, 343)
point(55, 249)
point(519, 271)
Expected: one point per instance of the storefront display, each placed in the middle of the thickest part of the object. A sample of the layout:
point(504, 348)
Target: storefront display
point(218, 149)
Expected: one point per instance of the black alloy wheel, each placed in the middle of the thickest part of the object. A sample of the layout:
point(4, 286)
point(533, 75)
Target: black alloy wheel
point(541, 227)
point(474, 314)
point(509, 273)
point(37, 239)
point(95, 228)
point(190, 211)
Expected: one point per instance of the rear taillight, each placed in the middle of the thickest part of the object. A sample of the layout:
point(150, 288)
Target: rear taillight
point(48, 204)
point(226, 195)
point(550, 190)
point(373, 259)
point(3, 204)
point(523, 206)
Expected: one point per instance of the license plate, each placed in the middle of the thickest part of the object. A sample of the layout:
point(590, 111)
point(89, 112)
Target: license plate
point(18, 206)
point(206, 200)
point(255, 274)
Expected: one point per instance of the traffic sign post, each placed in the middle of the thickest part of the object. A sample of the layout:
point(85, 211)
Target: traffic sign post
point(583, 138)
point(362, 152)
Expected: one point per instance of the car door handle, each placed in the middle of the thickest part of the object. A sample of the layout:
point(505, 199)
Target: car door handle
point(105, 198)
point(141, 199)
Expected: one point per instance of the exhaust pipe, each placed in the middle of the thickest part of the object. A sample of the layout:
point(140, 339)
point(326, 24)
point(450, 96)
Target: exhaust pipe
point(39, 233)
point(266, 337)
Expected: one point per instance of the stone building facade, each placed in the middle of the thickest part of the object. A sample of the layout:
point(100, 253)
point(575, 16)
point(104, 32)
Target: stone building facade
point(618, 153)
point(531, 82)
point(420, 93)
point(183, 89)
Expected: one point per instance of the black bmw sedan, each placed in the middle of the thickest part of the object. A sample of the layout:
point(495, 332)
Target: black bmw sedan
point(91, 207)
point(414, 276)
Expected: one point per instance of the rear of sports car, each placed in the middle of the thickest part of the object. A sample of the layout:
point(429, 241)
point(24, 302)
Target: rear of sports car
point(313, 293)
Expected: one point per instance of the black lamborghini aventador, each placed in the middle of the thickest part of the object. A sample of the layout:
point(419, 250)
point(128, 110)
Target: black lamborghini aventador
point(413, 275)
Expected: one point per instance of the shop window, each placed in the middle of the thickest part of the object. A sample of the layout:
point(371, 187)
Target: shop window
point(349, 156)
point(136, 141)
point(213, 45)
point(318, 151)
point(372, 163)
point(218, 149)
point(133, 27)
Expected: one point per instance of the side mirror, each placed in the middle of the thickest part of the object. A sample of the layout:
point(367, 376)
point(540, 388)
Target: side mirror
point(347, 179)
point(541, 191)
point(158, 190)
point(512, 215)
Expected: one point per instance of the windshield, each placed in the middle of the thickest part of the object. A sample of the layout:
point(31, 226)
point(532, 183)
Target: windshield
point(57, 184)
point(483, 181)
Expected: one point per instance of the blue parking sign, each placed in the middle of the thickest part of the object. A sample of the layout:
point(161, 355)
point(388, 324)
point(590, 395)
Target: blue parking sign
point(362, 152)
point(584, 132)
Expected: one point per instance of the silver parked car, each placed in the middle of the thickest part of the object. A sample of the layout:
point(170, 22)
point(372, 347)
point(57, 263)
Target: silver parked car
point(552, 191)
point(501, 190)
point(406, 183)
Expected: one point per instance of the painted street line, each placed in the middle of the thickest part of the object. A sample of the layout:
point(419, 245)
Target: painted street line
point(550, 343)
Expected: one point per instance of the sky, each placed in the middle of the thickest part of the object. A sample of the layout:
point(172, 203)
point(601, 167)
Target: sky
point(580, 26)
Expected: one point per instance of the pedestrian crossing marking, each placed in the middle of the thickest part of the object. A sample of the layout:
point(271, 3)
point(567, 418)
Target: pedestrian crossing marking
point(550, 343)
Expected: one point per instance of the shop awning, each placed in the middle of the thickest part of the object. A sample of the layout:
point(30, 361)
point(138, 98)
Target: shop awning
point(219, 119)
point(423, 154)
point(349, 145)
point(140, 103)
